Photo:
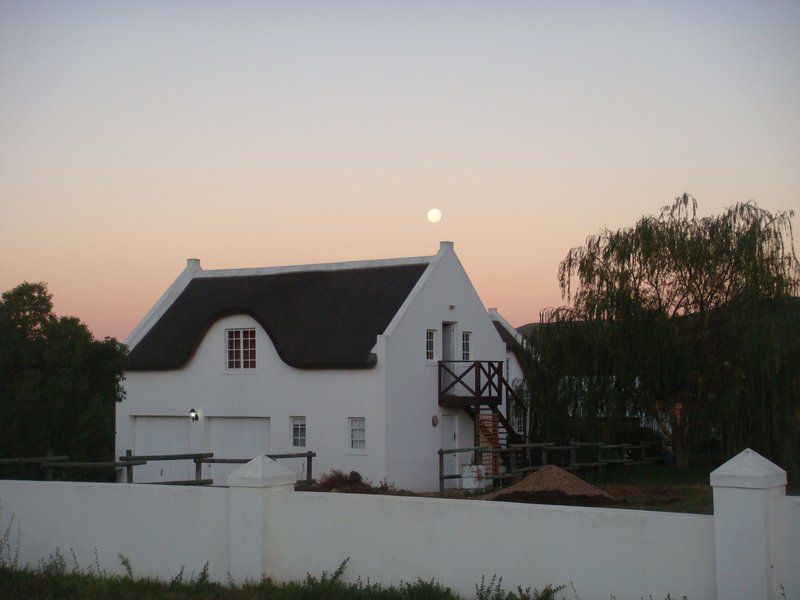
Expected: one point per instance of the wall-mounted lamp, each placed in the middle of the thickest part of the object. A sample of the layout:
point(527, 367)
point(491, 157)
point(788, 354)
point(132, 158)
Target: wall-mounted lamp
point(193, 414)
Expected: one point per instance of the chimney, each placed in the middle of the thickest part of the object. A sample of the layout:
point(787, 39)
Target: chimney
point(193, 264)
point(445, 246)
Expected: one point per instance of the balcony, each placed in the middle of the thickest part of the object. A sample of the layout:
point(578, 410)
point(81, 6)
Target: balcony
point(467, 383)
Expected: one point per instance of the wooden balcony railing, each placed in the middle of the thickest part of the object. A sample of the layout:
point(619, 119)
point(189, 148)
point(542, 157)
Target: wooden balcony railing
point(470, 382)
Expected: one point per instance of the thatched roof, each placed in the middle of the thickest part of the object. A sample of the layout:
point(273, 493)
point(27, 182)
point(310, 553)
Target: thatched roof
point(316, 319)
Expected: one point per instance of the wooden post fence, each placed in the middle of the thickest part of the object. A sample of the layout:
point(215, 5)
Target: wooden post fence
point(620, 454)
point(309, 456)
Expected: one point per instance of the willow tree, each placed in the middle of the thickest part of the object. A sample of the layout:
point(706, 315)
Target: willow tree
point(688, 321)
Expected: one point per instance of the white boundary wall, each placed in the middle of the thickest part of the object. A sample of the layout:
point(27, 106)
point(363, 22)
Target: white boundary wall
point(259, 527)
point(600, 551)
point(159, 528)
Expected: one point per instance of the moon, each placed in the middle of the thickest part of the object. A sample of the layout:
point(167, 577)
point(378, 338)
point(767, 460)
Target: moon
point(434, 215)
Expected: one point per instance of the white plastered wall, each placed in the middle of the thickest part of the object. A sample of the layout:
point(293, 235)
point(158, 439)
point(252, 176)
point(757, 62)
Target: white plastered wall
point(411, 381)
point(326, 397)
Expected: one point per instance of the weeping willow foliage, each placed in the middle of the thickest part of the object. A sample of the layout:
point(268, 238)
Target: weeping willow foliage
point(689, 324)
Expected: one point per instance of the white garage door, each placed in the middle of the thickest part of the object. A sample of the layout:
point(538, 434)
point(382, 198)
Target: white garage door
point(235, 437)
point(162, 435)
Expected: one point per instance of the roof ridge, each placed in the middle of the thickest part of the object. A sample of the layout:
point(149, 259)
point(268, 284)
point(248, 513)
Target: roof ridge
point(314, 267)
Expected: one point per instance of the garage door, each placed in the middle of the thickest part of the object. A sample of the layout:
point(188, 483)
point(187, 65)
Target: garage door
point(162, 435)
point(235, 437)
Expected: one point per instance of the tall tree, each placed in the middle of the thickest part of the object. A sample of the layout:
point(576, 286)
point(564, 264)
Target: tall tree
point(58, 385)
point(667, 311)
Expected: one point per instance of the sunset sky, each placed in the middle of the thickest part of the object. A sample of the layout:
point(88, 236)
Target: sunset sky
point(136, 134)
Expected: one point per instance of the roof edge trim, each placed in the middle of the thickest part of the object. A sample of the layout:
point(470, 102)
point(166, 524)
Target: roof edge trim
point(334, 266)
point(496, 316)
point(162, 304)
point(434, 260)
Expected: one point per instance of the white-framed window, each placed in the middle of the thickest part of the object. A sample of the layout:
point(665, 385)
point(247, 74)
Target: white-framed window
point(241, 348)
point(358, 433)
point(430, 344)
point(299, 432)
point(517, 417)
point(466, 342)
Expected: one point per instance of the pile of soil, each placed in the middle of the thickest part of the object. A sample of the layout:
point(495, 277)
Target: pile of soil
point(553, 485)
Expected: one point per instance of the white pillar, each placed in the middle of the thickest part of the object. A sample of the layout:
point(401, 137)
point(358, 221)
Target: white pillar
point(742, 488)
point(250, 487)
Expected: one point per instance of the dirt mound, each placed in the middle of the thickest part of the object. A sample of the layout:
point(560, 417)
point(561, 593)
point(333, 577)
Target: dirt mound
point(559, 498)
point(553, 485)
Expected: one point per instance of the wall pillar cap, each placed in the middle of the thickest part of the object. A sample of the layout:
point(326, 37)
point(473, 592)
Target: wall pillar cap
point(262, 472)
point(748, 469)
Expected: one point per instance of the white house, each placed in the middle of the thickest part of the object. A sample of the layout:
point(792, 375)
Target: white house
point(350, 360)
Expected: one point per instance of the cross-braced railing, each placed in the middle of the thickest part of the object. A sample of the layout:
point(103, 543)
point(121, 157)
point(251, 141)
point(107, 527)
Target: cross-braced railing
point(470, 382)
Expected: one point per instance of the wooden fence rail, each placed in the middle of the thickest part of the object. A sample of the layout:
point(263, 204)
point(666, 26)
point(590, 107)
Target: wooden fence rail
point(35, 460)
point(309, 456)
point(478, 454)
point(130, 460)
point(50, 466)
point(201, 458)
point(606, 454)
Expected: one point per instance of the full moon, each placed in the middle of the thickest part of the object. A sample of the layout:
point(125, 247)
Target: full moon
point(434, 215)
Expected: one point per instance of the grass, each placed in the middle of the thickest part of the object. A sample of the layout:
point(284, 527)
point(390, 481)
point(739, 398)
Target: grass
point(665, 487)
point(658, 487)
point(53, 580)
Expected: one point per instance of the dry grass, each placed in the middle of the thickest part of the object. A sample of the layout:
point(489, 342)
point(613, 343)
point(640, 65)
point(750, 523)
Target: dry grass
point(352, 483)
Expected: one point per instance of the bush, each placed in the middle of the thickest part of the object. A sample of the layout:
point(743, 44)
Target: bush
point(354, 483)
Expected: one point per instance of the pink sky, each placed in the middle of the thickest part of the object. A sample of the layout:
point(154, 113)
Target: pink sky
point(135, 136)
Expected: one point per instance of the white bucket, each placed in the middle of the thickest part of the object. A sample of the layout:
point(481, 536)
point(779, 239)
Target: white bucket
point(473, 477)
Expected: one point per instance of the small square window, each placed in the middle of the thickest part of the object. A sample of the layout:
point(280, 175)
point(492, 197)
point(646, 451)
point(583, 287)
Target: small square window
point(299, 432)
point(430, 344)
point(358, 433)
point(240, 348)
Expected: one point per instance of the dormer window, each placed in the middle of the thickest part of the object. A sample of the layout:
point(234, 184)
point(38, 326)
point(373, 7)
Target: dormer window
point(241, 347)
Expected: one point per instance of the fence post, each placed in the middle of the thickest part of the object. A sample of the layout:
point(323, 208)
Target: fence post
point(743, 487)
point(48, 471)
point(129, 468)
point(309, 477)
point(251, 487)
point(441, 471)
point(198, 469)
